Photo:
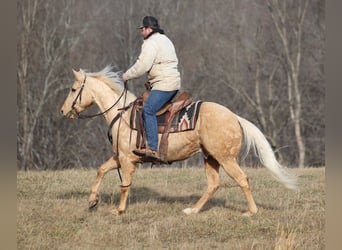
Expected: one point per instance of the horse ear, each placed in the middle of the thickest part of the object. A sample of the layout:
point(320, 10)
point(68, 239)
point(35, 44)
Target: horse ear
point(77, 75)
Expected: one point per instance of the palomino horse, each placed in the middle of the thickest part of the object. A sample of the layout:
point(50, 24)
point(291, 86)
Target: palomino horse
point(219, 134)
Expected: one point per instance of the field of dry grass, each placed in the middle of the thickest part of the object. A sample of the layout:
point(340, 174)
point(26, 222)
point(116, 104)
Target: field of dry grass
point(52, 211)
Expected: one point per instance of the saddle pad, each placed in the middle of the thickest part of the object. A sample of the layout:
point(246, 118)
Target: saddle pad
point(184, 120)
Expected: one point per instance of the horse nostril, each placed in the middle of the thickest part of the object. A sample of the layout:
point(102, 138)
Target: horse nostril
point(62, 111)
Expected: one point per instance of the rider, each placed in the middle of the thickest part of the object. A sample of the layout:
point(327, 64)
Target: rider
point(157, 58)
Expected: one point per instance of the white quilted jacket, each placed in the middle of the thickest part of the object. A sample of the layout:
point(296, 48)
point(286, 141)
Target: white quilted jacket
point(157, 58)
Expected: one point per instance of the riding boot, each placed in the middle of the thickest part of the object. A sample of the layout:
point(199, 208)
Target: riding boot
point(147, 153)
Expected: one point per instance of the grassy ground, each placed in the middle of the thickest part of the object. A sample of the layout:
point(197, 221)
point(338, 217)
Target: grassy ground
point(52, 211)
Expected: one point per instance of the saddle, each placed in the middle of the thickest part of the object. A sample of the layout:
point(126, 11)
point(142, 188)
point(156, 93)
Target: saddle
point(165, 116)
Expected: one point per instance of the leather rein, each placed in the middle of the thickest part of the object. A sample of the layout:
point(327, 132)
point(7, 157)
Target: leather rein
point(79, 96)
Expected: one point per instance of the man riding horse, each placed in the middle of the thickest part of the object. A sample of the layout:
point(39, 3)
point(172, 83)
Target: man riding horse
point(157, 58)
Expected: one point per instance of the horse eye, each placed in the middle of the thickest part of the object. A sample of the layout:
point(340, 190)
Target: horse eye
point(73, 90)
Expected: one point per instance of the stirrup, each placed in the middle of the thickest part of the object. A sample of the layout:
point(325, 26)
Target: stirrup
point(148, 154)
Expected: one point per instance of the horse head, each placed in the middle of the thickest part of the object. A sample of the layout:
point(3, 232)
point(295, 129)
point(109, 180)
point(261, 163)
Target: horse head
point(79, 97)
point(105, 88)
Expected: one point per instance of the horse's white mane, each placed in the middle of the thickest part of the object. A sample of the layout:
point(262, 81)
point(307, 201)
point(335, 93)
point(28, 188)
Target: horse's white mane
point(111, 78)
point(106, 73)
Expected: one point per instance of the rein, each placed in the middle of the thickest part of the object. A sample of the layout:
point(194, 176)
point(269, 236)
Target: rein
point(79, 96)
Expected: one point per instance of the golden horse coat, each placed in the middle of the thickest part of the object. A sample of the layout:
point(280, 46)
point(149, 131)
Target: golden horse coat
point(219, 134)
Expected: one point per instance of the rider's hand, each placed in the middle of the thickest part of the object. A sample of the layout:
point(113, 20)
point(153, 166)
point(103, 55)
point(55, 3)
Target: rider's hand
point(124, 78)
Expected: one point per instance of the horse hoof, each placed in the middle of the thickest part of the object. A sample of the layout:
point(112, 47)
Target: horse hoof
point(248, 214)
point(92, 204)
point(115, 211)
point(190, 210)
point(187, 210)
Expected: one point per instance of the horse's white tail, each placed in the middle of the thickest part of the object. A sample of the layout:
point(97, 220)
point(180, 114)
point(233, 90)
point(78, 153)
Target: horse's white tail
point(253, 137)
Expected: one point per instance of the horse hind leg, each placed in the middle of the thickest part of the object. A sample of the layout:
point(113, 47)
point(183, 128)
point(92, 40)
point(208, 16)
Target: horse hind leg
point(108, 165)
point(212, 173)
point(233, 170)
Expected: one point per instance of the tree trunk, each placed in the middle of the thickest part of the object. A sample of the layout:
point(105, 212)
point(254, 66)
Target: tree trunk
point(289, 26)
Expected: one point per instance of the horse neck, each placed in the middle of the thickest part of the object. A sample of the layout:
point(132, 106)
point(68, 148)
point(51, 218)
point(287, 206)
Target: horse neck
point(106, 97)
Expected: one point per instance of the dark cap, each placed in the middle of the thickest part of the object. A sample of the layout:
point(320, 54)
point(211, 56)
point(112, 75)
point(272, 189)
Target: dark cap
point(150, 21)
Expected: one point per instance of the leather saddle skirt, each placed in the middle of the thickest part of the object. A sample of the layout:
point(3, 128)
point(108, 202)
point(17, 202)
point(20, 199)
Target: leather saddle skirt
point(179, 115)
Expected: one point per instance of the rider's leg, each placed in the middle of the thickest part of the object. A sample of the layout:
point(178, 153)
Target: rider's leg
point(156, 100)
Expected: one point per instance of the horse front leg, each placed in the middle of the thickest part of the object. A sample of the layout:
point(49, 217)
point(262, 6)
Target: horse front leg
point(128, 169)
point(111, 163)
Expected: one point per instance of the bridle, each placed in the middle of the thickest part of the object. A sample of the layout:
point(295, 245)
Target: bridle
point(79, 96)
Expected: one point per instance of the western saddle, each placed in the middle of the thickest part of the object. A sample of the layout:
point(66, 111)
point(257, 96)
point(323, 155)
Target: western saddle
point(171, 108)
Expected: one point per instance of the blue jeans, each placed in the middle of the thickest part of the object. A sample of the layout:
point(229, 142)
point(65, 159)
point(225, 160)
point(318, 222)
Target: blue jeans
point(155, 101)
